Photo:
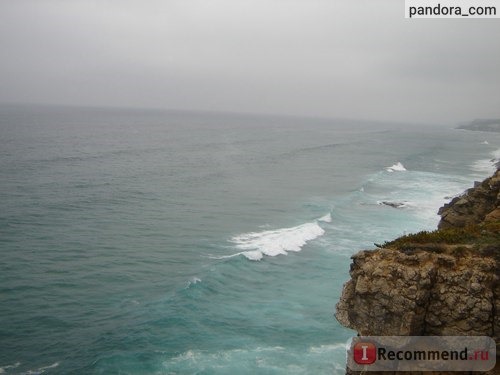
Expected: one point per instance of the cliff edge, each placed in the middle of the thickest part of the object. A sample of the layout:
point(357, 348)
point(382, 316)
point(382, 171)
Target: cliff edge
point(444, 282)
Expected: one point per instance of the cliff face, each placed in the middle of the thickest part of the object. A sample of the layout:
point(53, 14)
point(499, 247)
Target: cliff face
point(477, 204)
point(421, 293)
point(432, 283)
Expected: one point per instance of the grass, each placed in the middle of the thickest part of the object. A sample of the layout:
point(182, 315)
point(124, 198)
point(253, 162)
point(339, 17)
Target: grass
point(483, 234)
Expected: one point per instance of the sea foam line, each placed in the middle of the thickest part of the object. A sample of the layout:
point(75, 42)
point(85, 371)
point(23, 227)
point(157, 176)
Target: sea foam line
point(41, 370)
point(3, 368)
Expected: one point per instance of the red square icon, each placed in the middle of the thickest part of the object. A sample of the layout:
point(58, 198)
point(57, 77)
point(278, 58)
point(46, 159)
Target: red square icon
point(365, 353)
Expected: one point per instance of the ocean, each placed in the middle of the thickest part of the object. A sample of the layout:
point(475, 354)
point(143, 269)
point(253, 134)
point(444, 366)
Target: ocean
point(175, 242)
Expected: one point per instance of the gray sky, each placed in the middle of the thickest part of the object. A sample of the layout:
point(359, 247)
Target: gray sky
point(350, 58)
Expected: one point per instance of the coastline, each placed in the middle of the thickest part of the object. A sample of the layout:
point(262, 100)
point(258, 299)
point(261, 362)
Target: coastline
point(484, 125)
point(438, 283)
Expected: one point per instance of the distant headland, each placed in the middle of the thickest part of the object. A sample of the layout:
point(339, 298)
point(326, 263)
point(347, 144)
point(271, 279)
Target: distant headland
point(485, 125)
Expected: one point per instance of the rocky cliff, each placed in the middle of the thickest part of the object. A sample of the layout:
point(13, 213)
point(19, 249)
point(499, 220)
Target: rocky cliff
point(444, 282)
point(480, 203)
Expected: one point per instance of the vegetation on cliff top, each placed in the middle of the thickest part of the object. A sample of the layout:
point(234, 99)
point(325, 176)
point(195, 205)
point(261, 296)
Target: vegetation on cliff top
point(478, 235)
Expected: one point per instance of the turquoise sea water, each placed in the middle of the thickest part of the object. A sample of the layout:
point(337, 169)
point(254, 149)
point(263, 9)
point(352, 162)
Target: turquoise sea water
point(150, 242)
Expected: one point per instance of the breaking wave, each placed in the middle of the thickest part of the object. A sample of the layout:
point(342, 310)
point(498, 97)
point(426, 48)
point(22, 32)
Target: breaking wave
point(398, 167)
point(278, 241)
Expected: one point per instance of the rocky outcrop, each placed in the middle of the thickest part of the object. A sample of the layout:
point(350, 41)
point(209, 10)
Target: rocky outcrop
point(475, 205)
point(394, 204)
point(392, 293)
point(443, 283)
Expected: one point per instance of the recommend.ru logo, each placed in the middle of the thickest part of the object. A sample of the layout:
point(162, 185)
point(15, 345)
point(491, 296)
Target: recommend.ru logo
point(421, 353)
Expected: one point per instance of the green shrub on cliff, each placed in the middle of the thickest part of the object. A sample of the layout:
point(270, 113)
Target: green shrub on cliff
point(482, 234)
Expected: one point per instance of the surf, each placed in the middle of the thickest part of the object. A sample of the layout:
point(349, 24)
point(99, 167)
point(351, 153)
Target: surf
point(398, 167)
point(256, 245)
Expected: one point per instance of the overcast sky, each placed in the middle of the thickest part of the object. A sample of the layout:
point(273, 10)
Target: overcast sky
point(355, 59)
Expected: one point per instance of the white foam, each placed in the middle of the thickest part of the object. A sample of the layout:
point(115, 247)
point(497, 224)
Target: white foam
point(328, 348)
point(193, 281)
point(418, 195)
point(276, 242)
point(496, 154)
point(3, 368)
point(398, 167)
point(260, 360)
point(252, 255)
point(485, 167)
point(485, 143)
point(41, 370)
point(326, 219)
